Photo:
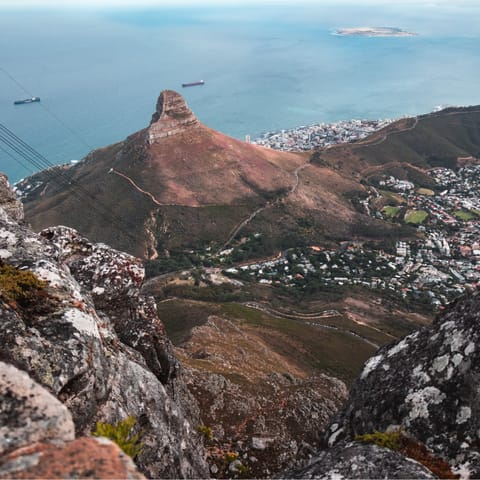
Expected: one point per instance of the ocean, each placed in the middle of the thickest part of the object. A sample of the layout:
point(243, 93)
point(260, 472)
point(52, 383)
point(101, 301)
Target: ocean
point(99, 72)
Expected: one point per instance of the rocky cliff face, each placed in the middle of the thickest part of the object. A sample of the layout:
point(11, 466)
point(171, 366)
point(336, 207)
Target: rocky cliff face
point(172, 116)
point(93, 342)
point(261, 406)
point(427, 386)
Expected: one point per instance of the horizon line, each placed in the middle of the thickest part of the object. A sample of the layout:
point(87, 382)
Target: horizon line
point(101, 4)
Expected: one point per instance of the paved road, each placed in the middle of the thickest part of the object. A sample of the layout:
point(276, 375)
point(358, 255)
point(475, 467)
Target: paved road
point(307, 319)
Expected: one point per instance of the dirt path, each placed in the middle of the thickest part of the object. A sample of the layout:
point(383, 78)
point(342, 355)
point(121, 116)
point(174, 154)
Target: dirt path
point(128, 179)
point(153, 199)
point(293, 189)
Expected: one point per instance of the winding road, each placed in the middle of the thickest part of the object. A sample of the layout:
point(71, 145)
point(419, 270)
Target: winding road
point(308, 319)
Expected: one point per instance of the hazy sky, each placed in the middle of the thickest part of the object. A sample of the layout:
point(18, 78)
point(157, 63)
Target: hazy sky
point(143, 3)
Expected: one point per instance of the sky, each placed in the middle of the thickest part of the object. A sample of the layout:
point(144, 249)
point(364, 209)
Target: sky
point(159, 3)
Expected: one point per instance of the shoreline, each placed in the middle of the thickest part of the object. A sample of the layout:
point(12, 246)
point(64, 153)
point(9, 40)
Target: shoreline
point(373, 32)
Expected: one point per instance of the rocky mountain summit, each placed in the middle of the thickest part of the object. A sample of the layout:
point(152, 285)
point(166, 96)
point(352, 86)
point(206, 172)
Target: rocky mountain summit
point(426, 387)
point(172, 116)
point(81, 345)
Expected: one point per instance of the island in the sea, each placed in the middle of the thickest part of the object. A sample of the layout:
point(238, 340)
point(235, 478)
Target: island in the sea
point(374, 32)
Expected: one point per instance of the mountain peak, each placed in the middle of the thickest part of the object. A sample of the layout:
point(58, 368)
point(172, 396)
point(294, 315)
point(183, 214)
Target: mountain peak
point(172, 116)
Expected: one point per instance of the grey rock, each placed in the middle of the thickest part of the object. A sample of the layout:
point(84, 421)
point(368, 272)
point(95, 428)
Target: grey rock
point(235, 466)
point(114, 279)
point(429, 385)
point(357, 460)
point(28, 413)
point(259, 443)
point(99, 347)
point(9, 201)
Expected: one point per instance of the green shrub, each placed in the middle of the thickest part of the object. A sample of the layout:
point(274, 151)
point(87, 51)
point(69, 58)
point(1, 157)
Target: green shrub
point(22, 288)
point(205, 431)
point(391, 440)
point(122, 434)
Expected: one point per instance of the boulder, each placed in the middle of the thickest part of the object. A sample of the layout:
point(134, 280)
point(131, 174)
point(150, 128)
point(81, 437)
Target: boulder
point(358, 460)
point(28, 413)
point(37, 436)
point(428, 384)
point(82, 458)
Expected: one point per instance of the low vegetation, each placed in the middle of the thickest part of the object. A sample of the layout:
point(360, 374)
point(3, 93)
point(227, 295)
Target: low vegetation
point(391, 440)
point(122, 433)
point(17, 285)
point(391, 212)
point(399, 441)
point(392, 197)
point(206, 432)
point(23, 290)
point(416, 217)
point(464, 215)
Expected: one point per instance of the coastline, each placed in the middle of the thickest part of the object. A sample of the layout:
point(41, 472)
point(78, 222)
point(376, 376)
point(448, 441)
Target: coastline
point(373, 32)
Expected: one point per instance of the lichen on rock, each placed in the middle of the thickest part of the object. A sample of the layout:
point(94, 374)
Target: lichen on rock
point(431, 390)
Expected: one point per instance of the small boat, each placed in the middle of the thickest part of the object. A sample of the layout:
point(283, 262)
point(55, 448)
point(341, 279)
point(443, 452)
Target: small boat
point(193, 84)
point(26, 100)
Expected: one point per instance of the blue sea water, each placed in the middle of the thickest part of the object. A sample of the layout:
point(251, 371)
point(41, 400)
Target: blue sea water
point(99, 72)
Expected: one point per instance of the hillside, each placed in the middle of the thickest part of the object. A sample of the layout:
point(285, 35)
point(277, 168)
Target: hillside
point(411, 146)
point(180, 185)
point(83, 330)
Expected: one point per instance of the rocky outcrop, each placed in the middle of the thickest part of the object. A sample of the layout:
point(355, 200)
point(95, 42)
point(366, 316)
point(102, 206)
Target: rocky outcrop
point(428, 384)
point(37, 437)
point(172, 116)
point(8, 200)
point(28, 413)
point(82, 458)
point(269, 425)
point(97, 345)
point(426, 387)
point(114, 280)
point(356, 460)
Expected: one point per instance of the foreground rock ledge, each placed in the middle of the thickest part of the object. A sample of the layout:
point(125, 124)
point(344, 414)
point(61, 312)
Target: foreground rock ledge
point(37, 437)
point(96, 345)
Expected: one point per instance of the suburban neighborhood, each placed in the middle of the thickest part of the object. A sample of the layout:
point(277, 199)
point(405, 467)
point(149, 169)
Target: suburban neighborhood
point(320, 135)
point(439, 265)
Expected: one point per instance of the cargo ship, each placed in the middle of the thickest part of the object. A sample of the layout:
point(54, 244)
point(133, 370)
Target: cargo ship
point(26, 100)
point(193, 84)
